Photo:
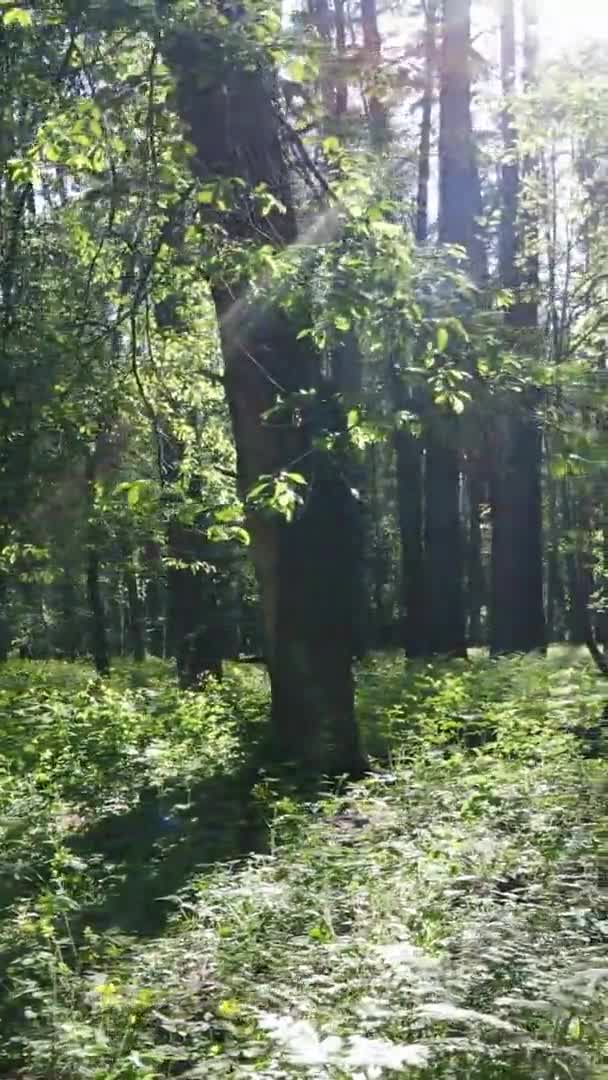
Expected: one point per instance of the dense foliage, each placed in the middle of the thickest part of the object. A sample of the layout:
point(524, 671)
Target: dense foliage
point(446, 915)
point(303, 428)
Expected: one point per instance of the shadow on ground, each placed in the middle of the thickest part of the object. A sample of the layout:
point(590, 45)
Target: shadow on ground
point(156, 847)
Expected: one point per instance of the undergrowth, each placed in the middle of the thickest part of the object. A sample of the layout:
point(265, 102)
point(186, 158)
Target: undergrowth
point(167, 913)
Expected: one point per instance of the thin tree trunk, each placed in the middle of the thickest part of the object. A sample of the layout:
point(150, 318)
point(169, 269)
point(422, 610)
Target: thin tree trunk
point(556, 600)
point(579, 578)
point(518, 621)
point(476, 585)
point(155, 617)
point(135, 624)
point(5, 633)
point(305, 567)
point(97, 615)
point(409, 468)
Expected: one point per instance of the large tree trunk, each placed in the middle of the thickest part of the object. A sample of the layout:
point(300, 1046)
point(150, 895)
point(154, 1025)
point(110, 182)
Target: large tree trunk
point(457, 207)
point(409, 451)
point(305, 567)
point(446, 629)
point(518, 622)
point(372, 46)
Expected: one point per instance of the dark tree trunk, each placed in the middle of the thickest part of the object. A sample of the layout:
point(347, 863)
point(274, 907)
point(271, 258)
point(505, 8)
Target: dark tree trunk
point(341, 81)
point(372, 46)
point(155, 617)
point(457, 202)
point(192, 629)
point(97, 615)
point(518, 621)
point(446, 625)
point(135, 618)
point(409, 451)
point(305, 567)
point(69, 628)
point(5, 633)
point(476, 584)
point(409, 468)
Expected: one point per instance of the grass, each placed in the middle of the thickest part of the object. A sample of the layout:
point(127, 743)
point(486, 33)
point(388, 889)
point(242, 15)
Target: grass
point(165, 913)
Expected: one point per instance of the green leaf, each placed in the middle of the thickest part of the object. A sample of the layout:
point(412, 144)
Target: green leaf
point(331, 145)
point(341, 323)
point(442, 339)
point(297, 69)
point(17, 17)
point(229, 514)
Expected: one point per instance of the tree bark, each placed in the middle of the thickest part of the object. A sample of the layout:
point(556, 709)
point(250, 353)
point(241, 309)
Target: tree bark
point(193, 632)
point(580, 578)
point(372, 46)
point(305, 567)
point(97, 615)
point(476, 582)
point(457, 206)
point(444, 586)
point(341, 81)
point(518, 620)
point(409, 450)
point(426, 122)
point(5, 633)
point(135, 618)
point(409, 468)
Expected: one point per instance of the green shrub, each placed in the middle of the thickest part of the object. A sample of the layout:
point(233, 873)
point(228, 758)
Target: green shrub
point(447, 916)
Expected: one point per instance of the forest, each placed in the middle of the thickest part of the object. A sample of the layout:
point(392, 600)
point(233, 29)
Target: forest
point(303, 539)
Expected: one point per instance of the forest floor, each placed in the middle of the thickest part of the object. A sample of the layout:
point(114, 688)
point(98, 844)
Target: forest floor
point(163, 912)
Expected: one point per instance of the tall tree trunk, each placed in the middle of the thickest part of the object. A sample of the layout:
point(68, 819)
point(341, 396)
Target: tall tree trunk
point(306, 566)
point(135, 618)
point(580, 583)
point(69, 629)
point(192, 626)
point(372, 46)
point(476, 586)
point(5, 633)
point(426, 122)
point(457, 206)
point(518, 621)
point(556, 600)
point(409, 468)
point(97, 615)
point(341, 81)
point(409, 450)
